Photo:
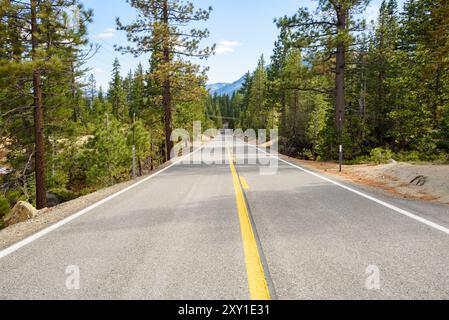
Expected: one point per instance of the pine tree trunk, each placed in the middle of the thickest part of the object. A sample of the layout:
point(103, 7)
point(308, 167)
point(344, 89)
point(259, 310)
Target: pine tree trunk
point(340, 72)
point(380, 99)
point(139, 161)
point(284, 128)
point(437, 91)
point(151, 153)
point(73, 88)
point(41, 198)
point(167, 88)
point(168, 118)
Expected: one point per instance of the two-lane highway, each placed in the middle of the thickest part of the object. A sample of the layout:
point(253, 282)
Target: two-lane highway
point(226, 231)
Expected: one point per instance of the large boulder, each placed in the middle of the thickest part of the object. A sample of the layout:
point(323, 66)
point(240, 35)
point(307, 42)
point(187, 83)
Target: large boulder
point(21, 212)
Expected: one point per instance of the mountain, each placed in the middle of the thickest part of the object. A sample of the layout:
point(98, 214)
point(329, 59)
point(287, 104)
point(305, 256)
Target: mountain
point(215, 87)
point(223, 89)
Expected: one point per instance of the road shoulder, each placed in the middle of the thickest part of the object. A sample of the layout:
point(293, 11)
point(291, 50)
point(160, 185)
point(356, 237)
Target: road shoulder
point(392, 180)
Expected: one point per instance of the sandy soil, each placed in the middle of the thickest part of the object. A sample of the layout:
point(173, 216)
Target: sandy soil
point(424, 182)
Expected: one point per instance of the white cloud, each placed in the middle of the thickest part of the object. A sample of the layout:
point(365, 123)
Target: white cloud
point(225, 47)
point(106, 34)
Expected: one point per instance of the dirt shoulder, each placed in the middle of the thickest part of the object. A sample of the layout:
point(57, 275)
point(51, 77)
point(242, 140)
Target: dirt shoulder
point(47, 217)
point(423, 182)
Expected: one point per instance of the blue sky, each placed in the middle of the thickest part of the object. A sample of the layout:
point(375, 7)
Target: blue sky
point(242, 30)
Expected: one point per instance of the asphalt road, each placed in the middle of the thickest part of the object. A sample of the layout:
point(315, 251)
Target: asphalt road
point(186, 233)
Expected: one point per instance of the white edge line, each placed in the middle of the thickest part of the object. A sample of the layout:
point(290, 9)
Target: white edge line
point(40, 234)
point(364, 195)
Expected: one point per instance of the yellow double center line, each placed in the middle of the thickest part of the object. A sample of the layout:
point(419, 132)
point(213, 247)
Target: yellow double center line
point(257, 282)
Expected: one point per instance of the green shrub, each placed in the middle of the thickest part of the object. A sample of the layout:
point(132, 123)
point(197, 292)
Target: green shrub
point(380, 155)
point(412, 156)
point(87, 190)
point(15, 195)
point(358, 160)
point(58, 180)
point(442, 158)
point(418, 157)
point(63, 194)
point(4, 206)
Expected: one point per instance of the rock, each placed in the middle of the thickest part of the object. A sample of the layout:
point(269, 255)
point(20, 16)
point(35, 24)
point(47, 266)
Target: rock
point(392, 161)
point(419, 181)
point(52, 200)
point(21, 212)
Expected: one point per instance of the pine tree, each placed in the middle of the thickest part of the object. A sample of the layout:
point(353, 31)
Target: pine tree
point(161, 29)
point(110, 157)
point(137, 92)
point(333, 32)
point(381, 70)
point(92, 91)
point(257, 113)
point(37, 63)
point(116, 93)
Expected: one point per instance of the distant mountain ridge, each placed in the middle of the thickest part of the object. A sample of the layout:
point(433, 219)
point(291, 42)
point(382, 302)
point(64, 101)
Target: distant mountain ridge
point(223, 89)
point(216, 86)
